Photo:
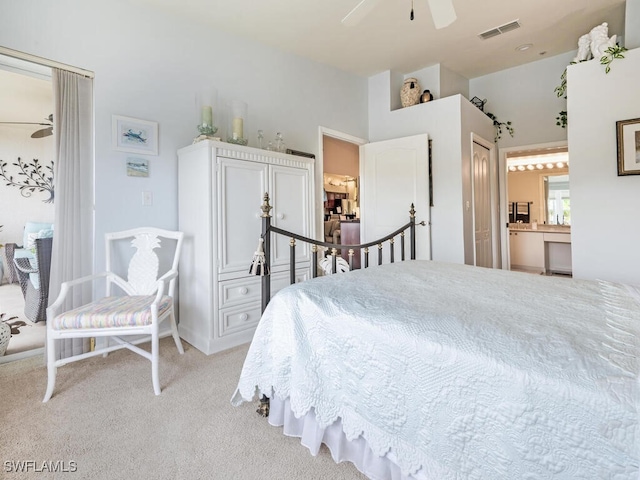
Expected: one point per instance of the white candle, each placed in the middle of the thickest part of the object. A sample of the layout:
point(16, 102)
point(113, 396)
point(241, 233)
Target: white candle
point(237, 128)
point(207, 115)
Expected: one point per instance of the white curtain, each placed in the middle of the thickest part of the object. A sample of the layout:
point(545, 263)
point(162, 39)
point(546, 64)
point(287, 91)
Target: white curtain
point(72, 255)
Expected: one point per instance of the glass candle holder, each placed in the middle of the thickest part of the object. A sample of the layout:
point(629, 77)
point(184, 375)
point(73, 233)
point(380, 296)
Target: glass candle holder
point(237, 116)
point(206, 102)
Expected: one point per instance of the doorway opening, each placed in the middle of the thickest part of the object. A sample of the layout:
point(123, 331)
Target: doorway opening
point(339, 165)
point(539, 210)
point(26, 190)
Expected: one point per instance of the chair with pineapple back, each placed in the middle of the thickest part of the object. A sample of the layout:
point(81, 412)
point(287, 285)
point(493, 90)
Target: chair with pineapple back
point(145, 300)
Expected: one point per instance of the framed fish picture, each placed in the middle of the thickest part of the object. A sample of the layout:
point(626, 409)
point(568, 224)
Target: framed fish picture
point(135, 136)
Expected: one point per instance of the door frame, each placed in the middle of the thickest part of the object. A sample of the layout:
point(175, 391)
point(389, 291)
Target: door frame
point(504, 189)
point(318, 202)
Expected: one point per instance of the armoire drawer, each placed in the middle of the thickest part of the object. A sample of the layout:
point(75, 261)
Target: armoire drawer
point(237, 319)
point(239, 291)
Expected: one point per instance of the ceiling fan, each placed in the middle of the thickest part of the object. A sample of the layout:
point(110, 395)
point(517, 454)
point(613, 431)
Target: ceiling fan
point(442, 12)
point(40, 133)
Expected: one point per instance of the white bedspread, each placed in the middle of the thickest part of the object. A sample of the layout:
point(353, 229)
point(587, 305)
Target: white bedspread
point(460, 371)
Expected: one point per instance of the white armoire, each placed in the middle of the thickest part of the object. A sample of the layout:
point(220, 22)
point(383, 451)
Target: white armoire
point(221, 188)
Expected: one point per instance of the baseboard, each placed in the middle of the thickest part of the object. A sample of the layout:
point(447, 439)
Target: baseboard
point(22, 355)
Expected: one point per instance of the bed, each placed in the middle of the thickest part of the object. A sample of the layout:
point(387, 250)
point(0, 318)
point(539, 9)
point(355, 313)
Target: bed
point(428, 370)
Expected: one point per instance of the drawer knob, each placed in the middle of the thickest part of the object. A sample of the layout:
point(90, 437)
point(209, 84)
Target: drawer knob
point(280, 216)
point(244, 317)
point(244, 290)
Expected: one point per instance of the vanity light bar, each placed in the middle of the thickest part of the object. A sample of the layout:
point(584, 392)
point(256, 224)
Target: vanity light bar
point(538, 166)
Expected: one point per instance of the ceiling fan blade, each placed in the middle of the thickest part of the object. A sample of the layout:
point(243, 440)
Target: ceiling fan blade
point(45, 132)
point(442, 12)
point(24, 123)
point(360, 11)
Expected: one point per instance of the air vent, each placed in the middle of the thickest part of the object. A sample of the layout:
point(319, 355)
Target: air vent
point(507, 27)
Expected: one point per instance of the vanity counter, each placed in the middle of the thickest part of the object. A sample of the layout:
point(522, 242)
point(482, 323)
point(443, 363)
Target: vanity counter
point(546, 249)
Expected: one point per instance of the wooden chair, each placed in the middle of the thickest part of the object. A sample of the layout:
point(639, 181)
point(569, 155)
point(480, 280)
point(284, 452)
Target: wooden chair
point(146, 303)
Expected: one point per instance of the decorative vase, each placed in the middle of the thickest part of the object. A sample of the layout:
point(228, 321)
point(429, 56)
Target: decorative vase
point(5, 336)
point(410, 92)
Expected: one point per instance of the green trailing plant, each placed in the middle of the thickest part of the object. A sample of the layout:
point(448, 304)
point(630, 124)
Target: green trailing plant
point(611, 53)
point(30, 177)
point(499, 126)
point(561, 119)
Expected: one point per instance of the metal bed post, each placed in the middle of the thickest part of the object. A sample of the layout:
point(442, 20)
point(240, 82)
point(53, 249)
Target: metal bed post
point(266, 235)
point(314, 260)
point(412, 232)
point(292, 261)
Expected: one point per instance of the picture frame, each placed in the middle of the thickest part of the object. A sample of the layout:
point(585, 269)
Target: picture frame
point(133, 135)
point(628, 142)
point(137, 167)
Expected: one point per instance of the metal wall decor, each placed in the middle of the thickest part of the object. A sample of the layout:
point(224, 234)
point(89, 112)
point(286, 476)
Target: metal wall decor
point(31, 177)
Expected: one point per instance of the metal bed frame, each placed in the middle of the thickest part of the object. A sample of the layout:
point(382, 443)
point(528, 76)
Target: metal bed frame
point(268, 229)
point(265, 272)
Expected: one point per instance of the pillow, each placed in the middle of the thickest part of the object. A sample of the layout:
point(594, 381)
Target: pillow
point(31, 238)
point(31, 241)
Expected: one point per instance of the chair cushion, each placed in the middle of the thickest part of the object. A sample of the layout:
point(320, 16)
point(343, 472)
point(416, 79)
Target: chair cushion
point(109, 312)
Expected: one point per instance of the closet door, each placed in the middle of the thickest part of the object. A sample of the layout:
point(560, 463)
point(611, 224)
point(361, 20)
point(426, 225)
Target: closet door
point(240, 188)
point(289, 189)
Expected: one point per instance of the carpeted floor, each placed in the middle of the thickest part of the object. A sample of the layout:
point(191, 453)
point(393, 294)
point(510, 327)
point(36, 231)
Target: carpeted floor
point(104, 418)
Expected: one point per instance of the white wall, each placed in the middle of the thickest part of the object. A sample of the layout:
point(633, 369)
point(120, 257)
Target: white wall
point(632, 24)
point(604, 206)
point(150, 65)
point(442, 120)
point(452, 83)
point(23, 99)
point(525, 96)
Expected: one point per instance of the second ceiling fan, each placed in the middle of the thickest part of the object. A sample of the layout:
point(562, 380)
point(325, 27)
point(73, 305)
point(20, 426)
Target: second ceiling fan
point(40, 133)
point(442, 12)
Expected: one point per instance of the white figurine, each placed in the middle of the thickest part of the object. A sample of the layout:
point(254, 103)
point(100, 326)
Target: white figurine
point(584, 48)
point(600, 40)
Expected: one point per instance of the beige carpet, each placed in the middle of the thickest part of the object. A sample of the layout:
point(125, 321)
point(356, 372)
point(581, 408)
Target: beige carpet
point(104, 417)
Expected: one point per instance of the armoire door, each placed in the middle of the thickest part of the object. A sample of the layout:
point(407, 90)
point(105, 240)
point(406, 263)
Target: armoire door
point(395, 174)
point(240, 189)
point(288, 188)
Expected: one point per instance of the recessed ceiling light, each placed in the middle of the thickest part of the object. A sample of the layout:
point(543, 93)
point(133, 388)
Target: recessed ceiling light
point(523, 47)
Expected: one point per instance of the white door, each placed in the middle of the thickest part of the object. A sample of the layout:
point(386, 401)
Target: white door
point(289, 191)
point(241, 186)
point(395, 174)
point(482, 206)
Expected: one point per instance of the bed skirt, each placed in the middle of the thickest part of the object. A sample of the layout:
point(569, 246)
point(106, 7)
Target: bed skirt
point(356, 451)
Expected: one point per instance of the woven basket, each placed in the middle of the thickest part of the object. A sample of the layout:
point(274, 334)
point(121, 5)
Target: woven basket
point(410, 92)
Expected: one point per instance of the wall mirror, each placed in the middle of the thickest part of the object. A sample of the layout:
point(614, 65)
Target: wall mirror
point(538, 182)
